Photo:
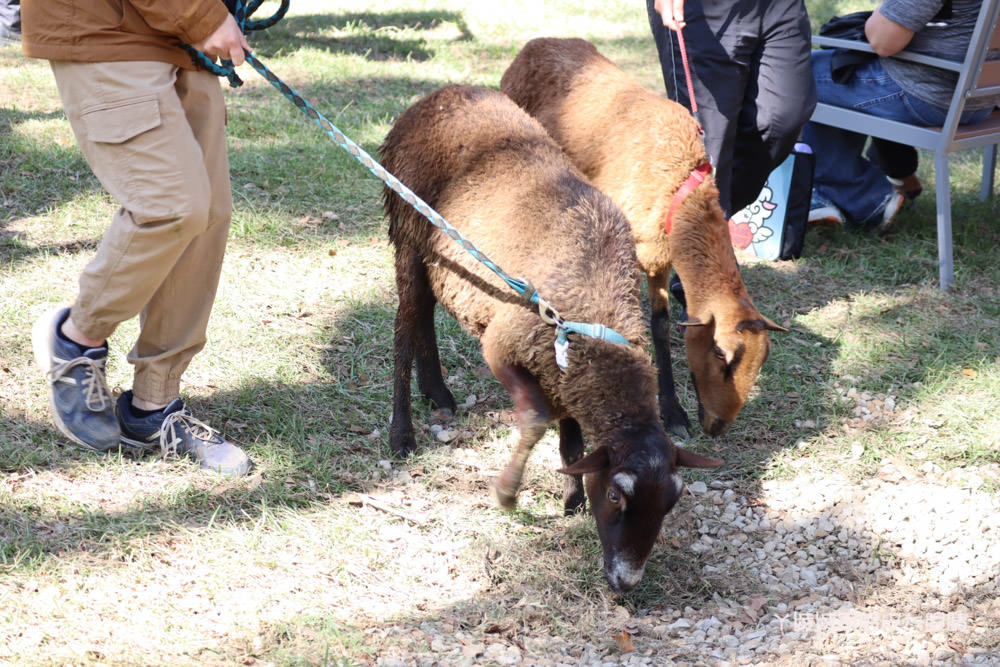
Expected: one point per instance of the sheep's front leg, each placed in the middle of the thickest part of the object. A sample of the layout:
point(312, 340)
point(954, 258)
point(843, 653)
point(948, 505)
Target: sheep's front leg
point(429, 378)
point(571, 451)
point(675, 420)
point(532, 420)
point(414, 334)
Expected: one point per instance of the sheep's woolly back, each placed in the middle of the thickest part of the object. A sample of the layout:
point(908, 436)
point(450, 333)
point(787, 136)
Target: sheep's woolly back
point(636, 146)
point(495, 174)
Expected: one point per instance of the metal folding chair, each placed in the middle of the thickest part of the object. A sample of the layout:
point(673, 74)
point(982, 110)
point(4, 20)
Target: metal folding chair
point(979, 76)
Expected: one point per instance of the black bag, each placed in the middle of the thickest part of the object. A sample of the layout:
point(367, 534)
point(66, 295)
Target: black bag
point(850, 26)
point(799, 202)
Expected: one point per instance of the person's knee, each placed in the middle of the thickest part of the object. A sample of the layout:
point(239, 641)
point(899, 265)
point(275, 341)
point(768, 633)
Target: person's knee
point(186, 211)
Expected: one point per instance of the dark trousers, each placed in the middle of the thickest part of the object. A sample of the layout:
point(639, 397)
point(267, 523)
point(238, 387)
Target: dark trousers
point(753, 84)
point(896, 160)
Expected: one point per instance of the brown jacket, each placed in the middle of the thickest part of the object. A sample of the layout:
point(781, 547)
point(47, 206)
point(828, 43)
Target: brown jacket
point(115, 30)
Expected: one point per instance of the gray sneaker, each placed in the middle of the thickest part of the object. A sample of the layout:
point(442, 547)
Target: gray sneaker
point(174, 430)
point(82, 407)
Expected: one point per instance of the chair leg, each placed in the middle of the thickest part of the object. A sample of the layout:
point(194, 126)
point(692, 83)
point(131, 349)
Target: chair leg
point(943, 192)
point(989, 168)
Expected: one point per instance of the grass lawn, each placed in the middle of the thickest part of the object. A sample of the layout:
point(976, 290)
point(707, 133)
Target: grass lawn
point(330, 543)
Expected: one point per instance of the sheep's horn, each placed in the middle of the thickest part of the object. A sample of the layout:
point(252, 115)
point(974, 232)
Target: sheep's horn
point(771, 325)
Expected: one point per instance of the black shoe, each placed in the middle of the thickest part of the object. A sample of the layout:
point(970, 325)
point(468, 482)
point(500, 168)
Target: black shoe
point(82, 407)
point(175, 430)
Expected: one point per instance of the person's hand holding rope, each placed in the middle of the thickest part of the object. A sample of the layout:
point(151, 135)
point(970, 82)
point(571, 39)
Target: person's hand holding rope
point(673, 18)
point(227, 42)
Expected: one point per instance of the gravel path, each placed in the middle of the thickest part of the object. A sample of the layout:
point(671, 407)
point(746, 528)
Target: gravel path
point(900, 569)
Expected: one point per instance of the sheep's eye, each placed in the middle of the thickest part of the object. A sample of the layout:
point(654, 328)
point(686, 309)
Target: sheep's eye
point(719, 354)
point(613, 497)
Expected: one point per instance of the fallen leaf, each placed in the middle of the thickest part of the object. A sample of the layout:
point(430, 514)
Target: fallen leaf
point(624, 642)
point(969, 372)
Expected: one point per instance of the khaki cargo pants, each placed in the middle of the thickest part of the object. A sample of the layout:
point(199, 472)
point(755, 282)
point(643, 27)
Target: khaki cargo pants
point(154, 135)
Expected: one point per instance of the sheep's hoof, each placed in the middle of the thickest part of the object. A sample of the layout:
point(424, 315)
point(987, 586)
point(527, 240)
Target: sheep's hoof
point(574, 498)
point(574, 506)
point(504, 497)
point(678, 428)
point(402, 446)
point(678, 433)
point(443, 402)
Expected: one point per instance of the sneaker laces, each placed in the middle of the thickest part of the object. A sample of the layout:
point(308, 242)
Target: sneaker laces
point(95, 387)
point(183, 419)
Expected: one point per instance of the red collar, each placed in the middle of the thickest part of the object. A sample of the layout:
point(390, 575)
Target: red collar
point(694, 179)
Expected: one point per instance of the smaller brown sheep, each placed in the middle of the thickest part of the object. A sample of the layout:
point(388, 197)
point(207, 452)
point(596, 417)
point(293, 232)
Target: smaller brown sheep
point(494, 174)
point(646, 153)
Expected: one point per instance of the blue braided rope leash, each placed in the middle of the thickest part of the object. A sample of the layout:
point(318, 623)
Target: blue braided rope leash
point(523, 287)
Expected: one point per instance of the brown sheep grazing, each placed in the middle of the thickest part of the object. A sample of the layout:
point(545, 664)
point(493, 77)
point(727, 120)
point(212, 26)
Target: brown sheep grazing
point(646, 153)
point(493, 173)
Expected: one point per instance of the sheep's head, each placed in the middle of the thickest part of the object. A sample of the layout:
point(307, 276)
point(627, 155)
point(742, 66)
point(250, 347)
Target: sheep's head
point(630, 498)
point(724, 362)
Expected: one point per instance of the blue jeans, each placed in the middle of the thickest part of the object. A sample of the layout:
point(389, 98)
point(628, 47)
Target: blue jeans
point(843, 175)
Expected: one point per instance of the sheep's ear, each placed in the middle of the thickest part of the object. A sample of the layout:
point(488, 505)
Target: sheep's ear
point(685, 459)
point(770, 325)
point(593, 462)
point(693, 322)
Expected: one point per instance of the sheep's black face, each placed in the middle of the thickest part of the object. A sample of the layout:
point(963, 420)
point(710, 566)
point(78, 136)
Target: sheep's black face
point(630, 498)
point(629, 503)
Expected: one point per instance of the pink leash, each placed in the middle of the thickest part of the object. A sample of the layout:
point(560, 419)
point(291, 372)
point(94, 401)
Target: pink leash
point(687, 78)
point(696, 177)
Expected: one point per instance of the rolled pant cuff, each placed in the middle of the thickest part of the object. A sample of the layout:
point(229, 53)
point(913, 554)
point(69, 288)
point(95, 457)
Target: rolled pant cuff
point(158, 390)
point(89, 326)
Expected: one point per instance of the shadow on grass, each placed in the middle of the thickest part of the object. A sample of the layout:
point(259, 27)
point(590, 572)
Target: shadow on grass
point(34, 178)
point(374, 35)
point(284, 167)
